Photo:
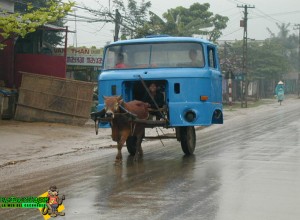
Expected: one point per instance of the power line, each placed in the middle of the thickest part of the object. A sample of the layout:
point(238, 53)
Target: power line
point(95, 12)
point(236, 2)
point(268, 16)
point(233, 20)
point(279, 14)
point(225, 10)
point(88, 19)
point(232, 32)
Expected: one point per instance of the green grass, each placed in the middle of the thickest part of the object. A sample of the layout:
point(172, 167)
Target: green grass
point(250, 104)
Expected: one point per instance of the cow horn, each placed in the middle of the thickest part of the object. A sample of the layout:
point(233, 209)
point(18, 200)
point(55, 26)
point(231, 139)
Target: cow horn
point(119, 97)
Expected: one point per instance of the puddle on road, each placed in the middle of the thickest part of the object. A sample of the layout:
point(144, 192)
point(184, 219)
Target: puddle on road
point(133, 186)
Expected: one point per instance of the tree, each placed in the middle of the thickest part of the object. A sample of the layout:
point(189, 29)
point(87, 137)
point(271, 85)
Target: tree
point(288, 42)
point(131, 16)
point(137, 21)
point(180, 21)
point(17, 24)
point(134, 16)
point(50, 37)
point(283, 31)
point(231, 58)
point(265, 60)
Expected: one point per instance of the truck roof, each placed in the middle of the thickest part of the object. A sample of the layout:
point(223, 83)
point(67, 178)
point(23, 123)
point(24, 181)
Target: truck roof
point(157, 39)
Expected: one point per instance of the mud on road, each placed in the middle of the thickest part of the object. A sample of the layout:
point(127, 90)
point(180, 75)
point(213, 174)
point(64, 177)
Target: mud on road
point(36, 155)
point(31, 148)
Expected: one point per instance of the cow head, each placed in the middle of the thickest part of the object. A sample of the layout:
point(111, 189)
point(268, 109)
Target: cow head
point(112, 105)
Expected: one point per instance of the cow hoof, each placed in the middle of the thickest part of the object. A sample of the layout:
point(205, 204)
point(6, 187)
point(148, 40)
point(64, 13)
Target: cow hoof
point(118, 157)
point(136, 157)
point(118, 162)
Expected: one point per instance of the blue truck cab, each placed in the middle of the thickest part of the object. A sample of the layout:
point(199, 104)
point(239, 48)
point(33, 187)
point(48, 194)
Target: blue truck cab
point(185, 69)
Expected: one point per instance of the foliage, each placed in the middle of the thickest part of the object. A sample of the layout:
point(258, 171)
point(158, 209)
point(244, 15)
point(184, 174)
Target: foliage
point(17, 24)
point(130, 17)
point(180, 21)
point(52, 38)
point(266, 59)
point(230, 56)
point(137, 21)
point(290, 44)
point(133, 15)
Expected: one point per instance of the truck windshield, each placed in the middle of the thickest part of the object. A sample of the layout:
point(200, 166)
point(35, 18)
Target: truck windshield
point(156, 55)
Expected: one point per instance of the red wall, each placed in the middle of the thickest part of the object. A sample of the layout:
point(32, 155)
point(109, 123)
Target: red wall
point(6, 63)
point(40, 64)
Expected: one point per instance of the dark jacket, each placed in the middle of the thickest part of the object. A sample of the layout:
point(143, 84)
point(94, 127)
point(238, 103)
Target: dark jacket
point(159, 99)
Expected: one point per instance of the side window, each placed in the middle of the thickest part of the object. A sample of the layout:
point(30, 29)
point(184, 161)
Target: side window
point(211, 57)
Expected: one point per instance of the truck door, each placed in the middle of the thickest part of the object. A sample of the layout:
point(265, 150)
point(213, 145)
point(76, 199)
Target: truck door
point(216, 76)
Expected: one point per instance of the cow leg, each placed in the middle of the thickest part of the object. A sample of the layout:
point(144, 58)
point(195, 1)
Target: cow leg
point(139, 150)
point(121, 142)
point(114, 133)
point(119, 154)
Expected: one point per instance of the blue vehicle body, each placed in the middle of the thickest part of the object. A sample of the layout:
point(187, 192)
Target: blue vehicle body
point(193, 94)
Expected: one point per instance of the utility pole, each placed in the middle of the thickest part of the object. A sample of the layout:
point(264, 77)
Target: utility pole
point(117, 25)
point(245, 81)
point(75, 28)
point(297, 27)
point(229, 71)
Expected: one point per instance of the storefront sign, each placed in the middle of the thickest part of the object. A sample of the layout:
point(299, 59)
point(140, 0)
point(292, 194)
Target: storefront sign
point(81, 56)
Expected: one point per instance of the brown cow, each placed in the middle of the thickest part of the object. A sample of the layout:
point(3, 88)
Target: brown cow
point(121, 125)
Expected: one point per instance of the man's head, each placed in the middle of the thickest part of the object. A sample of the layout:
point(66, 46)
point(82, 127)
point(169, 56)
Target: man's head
point(120, 58)
point(152, 87)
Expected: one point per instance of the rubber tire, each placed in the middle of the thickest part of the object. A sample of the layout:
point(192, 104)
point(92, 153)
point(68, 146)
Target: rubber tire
point(131, 145)
point(188, 139)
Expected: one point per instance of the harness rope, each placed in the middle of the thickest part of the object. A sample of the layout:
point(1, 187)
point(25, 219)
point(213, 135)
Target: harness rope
point(130, 113)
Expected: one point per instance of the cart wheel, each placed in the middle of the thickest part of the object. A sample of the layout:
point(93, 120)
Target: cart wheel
point(188, 139)
point(131, 145)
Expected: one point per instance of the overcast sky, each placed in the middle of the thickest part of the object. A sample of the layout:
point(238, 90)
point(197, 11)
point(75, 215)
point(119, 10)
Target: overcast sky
point(265, 14)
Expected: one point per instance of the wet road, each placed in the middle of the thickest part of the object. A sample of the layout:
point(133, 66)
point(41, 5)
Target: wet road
point(248, 168)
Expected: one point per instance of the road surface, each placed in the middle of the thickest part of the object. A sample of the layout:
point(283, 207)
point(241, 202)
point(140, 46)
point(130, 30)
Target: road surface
point(248, 168)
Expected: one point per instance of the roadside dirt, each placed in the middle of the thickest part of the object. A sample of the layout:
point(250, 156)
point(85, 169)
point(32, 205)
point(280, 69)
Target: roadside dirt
point(24, 143)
